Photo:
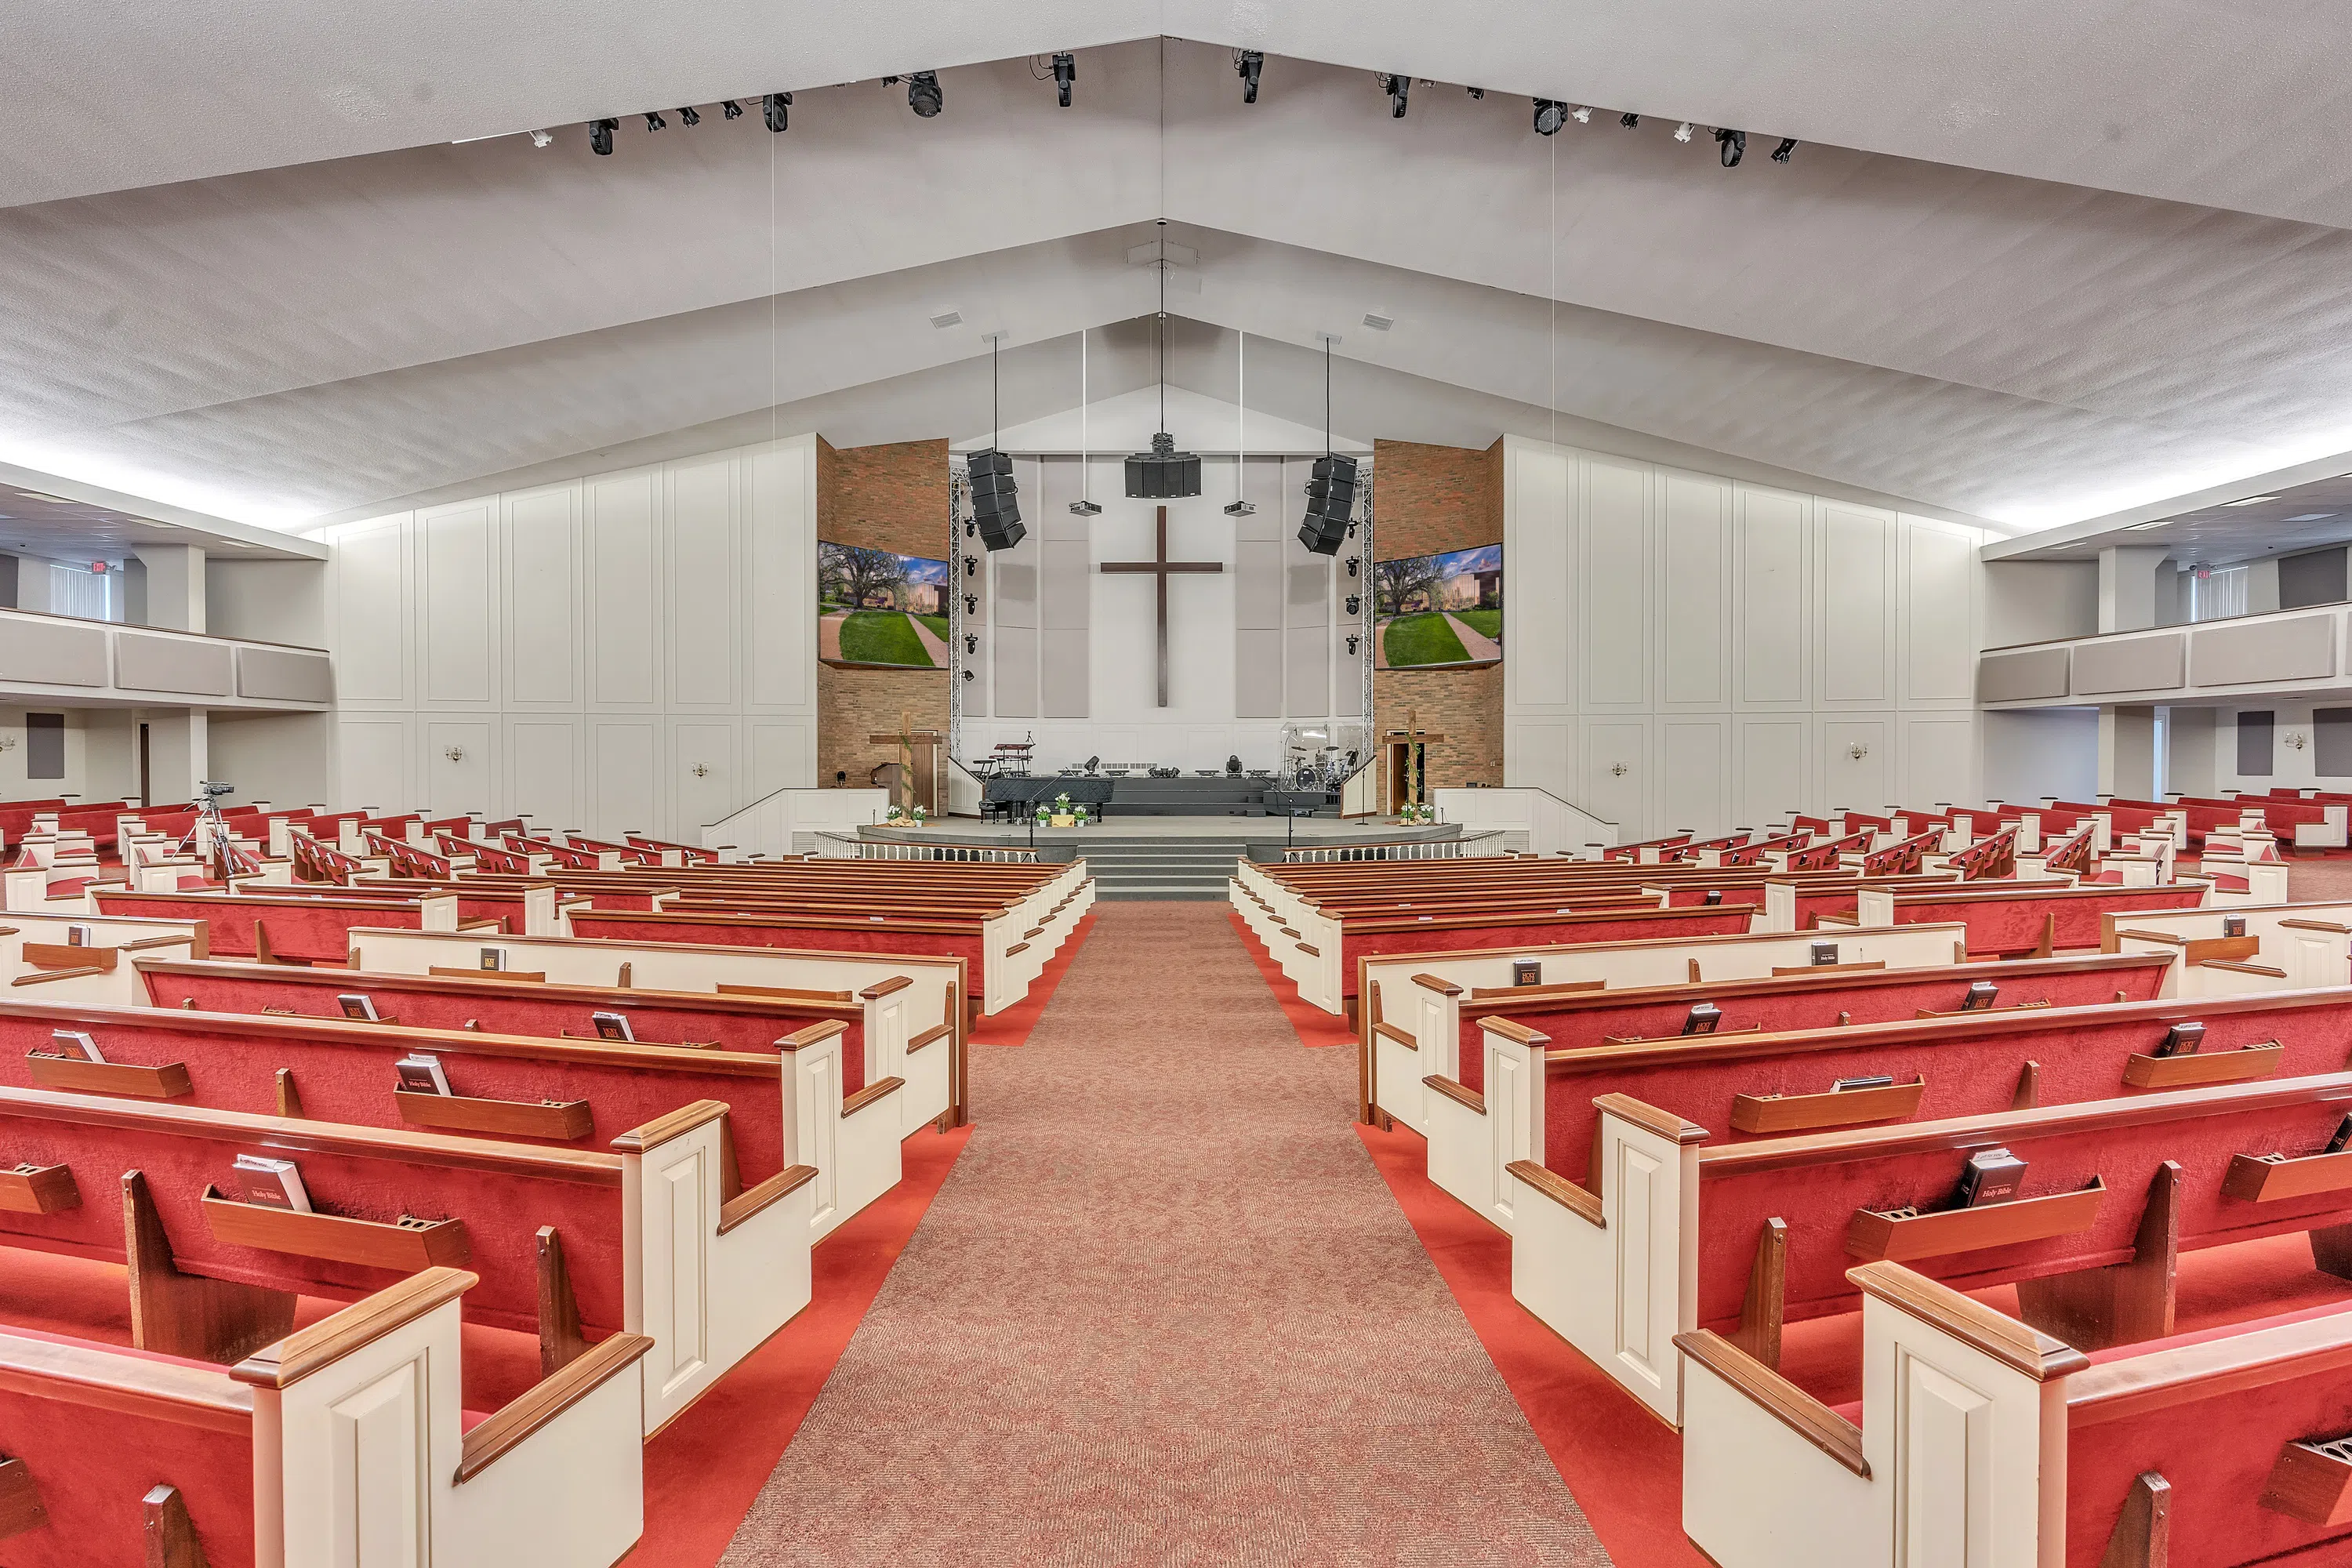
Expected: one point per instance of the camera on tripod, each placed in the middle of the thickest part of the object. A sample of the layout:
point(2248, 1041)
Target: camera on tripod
point(208, 792)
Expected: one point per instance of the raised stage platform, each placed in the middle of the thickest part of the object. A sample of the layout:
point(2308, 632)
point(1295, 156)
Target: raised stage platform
point(1162, 857)
point(1143, 797)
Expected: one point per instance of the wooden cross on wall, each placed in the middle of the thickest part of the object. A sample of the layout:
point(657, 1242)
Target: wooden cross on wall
point(1159, 566)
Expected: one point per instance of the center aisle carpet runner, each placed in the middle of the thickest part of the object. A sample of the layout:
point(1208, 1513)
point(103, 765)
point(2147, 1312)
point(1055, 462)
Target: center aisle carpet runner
point(1164, 1310)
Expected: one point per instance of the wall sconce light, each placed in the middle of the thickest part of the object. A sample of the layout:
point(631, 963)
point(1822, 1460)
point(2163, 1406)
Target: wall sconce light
point(699, 770)
point(1858, 751)
point(2297, 738)
point(1617, 769)
point(454, 754)
point(7, 742)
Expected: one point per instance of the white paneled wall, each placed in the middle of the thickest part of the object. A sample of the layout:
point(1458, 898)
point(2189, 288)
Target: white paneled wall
point(630, 650)
point(1689, 651)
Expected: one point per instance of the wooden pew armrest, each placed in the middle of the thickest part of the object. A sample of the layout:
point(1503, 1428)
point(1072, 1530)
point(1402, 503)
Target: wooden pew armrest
point(1808, 1417)
point(935, 1033)
point(296, 1356)
point(869, 1094)
point(752, 1200)
point(1391, 1032)
point(882, 988)
point(1577, 1200)
point(1460, 1093)
point(1438, 983)
point(545, 1400)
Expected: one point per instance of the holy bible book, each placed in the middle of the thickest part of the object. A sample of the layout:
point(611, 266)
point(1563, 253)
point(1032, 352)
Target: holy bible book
point(272, 1184)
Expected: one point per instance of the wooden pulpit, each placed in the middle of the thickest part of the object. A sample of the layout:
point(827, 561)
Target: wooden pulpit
point(921, 754)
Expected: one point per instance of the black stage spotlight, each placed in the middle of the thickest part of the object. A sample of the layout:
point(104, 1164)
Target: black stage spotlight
point(923, 94)
point(1478, 93)
point(1331, 497)
point(1780, 153)
point(600, 136)
point(1164, 473)
point(655, 122)
point(733, 110)
point(1247, 64)
point(1065, 71)
point(1550, 115)
point(777, 107)
point(1396, 86)
point(994, 504)
point(691, 115)
point(1733, 144)
point(1629, 120)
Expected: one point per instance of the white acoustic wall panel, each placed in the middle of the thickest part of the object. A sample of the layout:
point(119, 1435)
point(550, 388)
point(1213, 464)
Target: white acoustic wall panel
point(782, 757)
point(459, 766)
point(779, 552)
point(1939, 641)
point(1857, 608)
point(1617, 775)
point(543, 772)
point(706, 587)
point(1693, 591)
point(371, 614)
point(1939, 758)
point(1773, 752)
point(1693, 773)
point(623, 518)
point(1258, 654)
point(372, 758)
point(702, 766)
point(1542, 756)
point(1770, 535)
point(1012, 609)
point(623, 780)
point(1538, 550)
point(1856, 769)
point(1615, 582)
point(457, 603)
point(541, 579)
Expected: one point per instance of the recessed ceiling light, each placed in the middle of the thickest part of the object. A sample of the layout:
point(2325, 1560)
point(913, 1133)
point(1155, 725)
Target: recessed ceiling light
point(2160, 523)
point(2249, 500)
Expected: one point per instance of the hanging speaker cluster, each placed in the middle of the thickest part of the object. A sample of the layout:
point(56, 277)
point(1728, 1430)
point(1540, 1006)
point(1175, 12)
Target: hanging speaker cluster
point(1330, 502)
point(1164, 473)
point(995, 508)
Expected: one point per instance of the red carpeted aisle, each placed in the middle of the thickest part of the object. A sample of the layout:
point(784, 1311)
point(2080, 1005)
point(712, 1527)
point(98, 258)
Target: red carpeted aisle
point(1313, 1025)
point(1012, 1026)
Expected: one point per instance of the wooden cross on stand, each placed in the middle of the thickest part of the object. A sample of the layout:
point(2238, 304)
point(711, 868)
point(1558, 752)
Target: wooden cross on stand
point(1159, 566)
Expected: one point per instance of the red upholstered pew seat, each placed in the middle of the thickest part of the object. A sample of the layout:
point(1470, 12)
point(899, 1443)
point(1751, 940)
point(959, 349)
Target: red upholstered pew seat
point(1969, 1065)
point(97, 1427)
point(343, 1072)
point(311, 929)
point(1371, 938)
point(1817, 1185)
point(943, 938)
point(1795, 1002)
point(504, 1007)
point(2006, 922)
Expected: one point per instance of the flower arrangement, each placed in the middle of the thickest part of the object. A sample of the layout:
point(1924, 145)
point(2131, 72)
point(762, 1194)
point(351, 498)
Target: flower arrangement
point(1062, 816)
point(1413, 812)
point(892, 815)
point(921, 816)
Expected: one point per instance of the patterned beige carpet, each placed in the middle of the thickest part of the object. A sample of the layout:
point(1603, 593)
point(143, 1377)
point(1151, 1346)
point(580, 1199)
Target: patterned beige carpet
point(1164, 1311)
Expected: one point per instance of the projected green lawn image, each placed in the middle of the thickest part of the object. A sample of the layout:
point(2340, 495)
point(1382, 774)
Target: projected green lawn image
point(1440, 610)
point(878, 606)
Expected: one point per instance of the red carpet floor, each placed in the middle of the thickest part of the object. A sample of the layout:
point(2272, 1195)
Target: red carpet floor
point(1012, 1026)
point(1315, 1027)
point(703, 1471)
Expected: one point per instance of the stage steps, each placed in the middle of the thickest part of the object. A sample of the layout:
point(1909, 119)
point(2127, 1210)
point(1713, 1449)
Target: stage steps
point(1158, 868)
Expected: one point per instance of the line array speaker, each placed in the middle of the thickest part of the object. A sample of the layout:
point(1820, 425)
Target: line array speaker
point(1330, 502)
point(994, 506)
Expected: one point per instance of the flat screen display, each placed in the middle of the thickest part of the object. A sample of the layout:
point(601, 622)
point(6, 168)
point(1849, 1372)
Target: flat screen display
point(1437, 611)
point(880, 607)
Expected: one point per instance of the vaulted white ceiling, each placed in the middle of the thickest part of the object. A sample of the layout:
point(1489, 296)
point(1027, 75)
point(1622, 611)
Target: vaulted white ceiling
point(2026, 267)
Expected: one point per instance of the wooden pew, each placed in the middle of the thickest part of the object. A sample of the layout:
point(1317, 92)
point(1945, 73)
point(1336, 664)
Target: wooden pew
point(903, 996)
point(2190, 1450)
point(1391, 1063)
point(2306, 943)
point(1767, 1084)
point(790, 1103)
point(134, 1459)
point(646, 1240)
point(300, 928)
point(489, 1001)
point(2116, 1189)
point(2004, 922)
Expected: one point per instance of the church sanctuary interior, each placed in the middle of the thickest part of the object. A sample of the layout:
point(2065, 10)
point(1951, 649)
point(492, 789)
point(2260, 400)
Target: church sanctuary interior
point(1175, 782)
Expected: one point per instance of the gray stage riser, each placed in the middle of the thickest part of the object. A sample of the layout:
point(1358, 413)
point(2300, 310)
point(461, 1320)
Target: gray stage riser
point(1192, 869)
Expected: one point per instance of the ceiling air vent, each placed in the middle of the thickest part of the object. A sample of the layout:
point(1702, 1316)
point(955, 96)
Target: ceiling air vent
point(1380, 323)
point(947, 319)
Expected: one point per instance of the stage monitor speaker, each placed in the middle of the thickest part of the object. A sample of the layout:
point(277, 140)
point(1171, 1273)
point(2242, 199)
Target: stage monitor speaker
point(995, 506)
point(1330, 502)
